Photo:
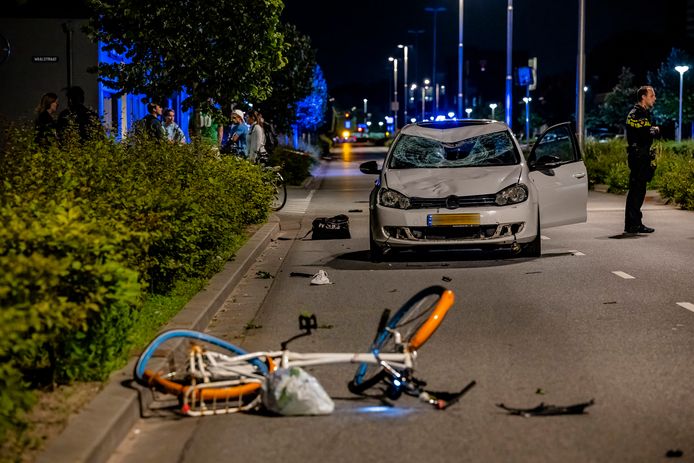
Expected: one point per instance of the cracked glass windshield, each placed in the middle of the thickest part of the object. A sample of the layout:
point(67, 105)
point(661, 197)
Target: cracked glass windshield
point(492, 149)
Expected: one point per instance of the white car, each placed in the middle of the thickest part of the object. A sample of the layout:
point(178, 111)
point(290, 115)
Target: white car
point(466, 184)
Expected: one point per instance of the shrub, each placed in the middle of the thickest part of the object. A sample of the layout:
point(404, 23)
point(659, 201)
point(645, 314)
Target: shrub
point(296, 165)
point(86, 227)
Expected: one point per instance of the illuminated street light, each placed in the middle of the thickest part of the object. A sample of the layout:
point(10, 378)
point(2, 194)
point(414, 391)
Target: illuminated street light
point(365, 102)
point(468, 111)
point(395, 92)
point(404, 83)
point(493, 107)
point(527, 101)
point(681, 70)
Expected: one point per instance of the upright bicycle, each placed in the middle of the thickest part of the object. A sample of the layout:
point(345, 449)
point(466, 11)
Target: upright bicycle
point(212, 376)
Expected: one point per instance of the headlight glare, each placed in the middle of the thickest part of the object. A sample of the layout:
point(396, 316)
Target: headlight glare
point(392, 198)
point(513, 194)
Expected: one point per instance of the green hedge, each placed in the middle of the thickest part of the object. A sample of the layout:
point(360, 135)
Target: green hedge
point(674, 177)
point(89, 232)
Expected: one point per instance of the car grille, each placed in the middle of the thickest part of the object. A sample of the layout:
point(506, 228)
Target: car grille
point(452, 202)
point(455, 233)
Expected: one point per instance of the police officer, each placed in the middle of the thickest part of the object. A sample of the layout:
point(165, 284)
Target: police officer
point(640, 135)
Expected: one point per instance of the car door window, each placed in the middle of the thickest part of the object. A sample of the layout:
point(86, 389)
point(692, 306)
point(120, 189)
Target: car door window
point(555, 146)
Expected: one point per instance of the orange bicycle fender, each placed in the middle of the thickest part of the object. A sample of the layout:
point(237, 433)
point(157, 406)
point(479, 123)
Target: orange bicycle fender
point(210, 393)
point(432, 323)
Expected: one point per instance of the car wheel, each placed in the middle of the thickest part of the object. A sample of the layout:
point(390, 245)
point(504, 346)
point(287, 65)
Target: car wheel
point(534, 248)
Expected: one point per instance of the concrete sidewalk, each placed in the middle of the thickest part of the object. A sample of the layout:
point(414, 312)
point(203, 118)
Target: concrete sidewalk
point(93, 434)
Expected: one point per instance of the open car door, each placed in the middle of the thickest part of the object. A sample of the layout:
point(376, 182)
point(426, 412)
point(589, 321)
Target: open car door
point(561, 178)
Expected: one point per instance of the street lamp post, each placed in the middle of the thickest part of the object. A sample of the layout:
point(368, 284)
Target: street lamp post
point(681, 70)
point(493, 108)
point(404, 84)
point(460, 57)
point(468, 111)
point(395, 92)
point(509, 63)
point(365, 102)
point(527, 101)
point(435, 11)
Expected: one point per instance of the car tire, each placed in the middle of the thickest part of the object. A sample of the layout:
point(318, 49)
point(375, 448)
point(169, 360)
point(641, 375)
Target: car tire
point(534, 248)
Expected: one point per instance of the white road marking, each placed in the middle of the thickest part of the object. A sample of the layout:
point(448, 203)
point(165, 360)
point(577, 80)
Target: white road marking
point(298, 206)
point(543, 237)
point(626, 276)
point(686, 305)
point(576, 253)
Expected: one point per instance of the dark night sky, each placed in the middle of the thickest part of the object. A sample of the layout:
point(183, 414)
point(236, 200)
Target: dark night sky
point(354, 39)
point(354, 42)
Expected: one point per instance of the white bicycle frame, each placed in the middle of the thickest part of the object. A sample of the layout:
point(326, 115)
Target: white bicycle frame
point(222, 365)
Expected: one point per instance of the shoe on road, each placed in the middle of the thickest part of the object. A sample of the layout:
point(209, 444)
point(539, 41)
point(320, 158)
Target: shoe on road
point(639, 229)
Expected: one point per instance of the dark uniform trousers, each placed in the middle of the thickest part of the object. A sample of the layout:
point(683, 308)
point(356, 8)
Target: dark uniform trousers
point(640, 173)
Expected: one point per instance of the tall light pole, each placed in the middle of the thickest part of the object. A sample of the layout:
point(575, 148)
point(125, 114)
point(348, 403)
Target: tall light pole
point(460, 58)
point(527, 101)
point(435, 11)
point(395, 92)
point(681, 70)
point(509, 61)
point(581, 73)
point(405, 93)
point(365, 116)
point(493, 108)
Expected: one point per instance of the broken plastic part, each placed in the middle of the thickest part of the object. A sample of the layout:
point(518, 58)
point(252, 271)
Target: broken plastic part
point(548, 410)
point(443, 400)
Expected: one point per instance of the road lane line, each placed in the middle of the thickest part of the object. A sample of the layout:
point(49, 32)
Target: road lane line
point(576, 253)
point(621, 274)
point(686, 305)
point(543, 237)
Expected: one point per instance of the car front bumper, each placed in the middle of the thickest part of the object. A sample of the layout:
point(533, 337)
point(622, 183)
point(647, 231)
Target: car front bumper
point(464, 227)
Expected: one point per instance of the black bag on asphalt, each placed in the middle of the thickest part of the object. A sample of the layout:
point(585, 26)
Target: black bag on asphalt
point(331, 228)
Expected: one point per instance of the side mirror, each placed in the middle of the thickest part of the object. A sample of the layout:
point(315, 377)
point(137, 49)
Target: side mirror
point(370, 167)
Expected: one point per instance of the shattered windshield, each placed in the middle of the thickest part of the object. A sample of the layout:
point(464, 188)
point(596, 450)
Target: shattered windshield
point(491, 149)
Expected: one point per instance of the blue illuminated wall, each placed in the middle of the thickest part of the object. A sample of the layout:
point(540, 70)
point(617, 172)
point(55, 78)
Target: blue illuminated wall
point(120, 113)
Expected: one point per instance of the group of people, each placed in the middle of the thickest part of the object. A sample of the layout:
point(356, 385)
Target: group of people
point(52, 127)
point(245, 136)
point(160, 129)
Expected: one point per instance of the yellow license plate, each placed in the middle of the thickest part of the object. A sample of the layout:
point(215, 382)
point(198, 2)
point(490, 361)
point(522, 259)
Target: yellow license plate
point(437, 220)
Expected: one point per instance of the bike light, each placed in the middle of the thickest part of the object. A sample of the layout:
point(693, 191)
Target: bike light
point(396, 383)
point(513, 194)
point(392, 198)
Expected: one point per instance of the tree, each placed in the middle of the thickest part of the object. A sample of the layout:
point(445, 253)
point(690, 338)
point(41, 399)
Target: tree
point(612, 112)
point(291, 83)
point(215, 51)
point(310, 112)
point(666, 82)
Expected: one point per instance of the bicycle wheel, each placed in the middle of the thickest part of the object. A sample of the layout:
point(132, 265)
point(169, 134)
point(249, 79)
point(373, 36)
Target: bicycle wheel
point(279, 198)
point(173, 375)
point(416, 321)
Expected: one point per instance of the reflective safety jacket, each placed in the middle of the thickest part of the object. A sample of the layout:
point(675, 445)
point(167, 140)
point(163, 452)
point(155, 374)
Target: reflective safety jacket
point(639, 128)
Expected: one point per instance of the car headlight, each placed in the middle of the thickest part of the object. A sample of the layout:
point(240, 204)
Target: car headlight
point(391, 198)
point(513, 194)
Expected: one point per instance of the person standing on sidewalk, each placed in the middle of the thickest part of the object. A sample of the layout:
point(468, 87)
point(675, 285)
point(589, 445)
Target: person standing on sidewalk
point(640, 135)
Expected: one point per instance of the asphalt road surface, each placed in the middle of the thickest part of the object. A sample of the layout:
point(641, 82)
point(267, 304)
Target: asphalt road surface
point(598, 316)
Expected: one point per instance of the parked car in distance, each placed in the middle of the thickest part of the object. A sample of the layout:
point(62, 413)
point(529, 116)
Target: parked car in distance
point(465, 183)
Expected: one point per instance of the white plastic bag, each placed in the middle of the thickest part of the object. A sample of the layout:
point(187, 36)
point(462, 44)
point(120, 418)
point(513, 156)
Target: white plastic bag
point(292, 391)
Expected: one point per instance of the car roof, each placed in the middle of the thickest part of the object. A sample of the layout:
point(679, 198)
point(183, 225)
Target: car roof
point(454, 130)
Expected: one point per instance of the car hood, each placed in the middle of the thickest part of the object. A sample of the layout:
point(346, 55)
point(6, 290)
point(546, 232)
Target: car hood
point(440, 183)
